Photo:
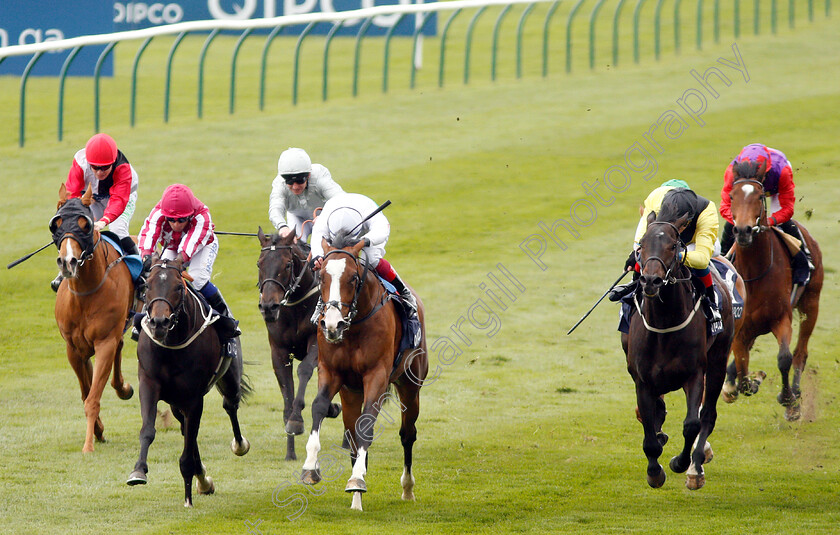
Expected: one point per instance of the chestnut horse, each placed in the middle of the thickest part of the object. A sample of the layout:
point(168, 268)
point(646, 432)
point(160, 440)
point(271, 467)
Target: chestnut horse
point(358, 336)
point(288, 294)
point(180, 360)
point(764, 262)
point(668, 347)
point(91, 306)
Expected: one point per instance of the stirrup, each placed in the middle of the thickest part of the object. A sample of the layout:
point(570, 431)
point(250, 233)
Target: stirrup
point(56, 282)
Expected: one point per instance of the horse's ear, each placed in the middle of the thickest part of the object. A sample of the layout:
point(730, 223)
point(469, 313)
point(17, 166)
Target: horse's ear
point(87, 198)
point(288, 240)
point(651, 217)
point(762, 170)
point(682, 222)
point(62, 196)
point(358, 247)
point(261, 236)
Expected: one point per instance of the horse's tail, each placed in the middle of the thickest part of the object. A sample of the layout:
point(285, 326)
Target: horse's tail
point(245, 387)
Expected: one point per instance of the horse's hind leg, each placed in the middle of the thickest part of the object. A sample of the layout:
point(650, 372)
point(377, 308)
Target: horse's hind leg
point(149, 396)
point(410, 399)
point(123, 389)
point(809, 308)
point(783, 331)
point(230, 386)
point(691, 425)
point(282, 364)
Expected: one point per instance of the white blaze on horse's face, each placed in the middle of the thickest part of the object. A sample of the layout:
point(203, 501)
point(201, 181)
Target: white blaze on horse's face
point(68, 258)
point(335, 268)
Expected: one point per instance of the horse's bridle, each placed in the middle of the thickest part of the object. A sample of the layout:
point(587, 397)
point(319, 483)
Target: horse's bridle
point(294, 281)
point(352, 308)
point(87, 250)
point(175, 312)
point(762, 214)
point(668, 278)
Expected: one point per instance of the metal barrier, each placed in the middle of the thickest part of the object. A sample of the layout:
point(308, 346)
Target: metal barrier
point(422, 11)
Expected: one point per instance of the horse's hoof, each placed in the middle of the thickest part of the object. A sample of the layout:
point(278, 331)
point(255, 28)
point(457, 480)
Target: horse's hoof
point(205, 485)
point(355, 485)
point(662, 438)
point(240, 448)
point(675, 465)
point(657, 480)
point(310, 477)
point(137, 477)
point(695, 482)
point(294, 427)
point(408, 496)
point(707, 450)
point(334, 410)
point(101, 439)
point(729, 393)
point(128, 395)
point(793, 412)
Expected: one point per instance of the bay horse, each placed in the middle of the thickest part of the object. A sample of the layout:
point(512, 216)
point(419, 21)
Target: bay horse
point(359, 333)
point(668, 348)
point(91, 306)
point(288, 295)
point(180, 360)
point(764, 262)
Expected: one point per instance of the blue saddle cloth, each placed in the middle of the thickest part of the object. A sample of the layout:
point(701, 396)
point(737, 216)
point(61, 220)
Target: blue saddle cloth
point(410, 327)
point(132, 261)
point(728, 276)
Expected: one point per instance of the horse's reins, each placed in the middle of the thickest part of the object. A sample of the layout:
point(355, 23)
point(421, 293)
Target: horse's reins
point(173, 317)
point(669, 279)
point(293, 284)
point(758, 227)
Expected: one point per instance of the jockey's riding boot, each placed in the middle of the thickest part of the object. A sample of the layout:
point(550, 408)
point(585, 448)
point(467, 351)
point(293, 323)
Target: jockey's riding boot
point(135, 327)
point(218, 303)
point(128, 246)
point(56, 282)
point(801, 269)
point(711, 309)
point(406, 294)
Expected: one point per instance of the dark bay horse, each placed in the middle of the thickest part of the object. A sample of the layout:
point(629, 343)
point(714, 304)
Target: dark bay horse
point(358, 336)
point(764, 262)
point(288, 295)
point(180, 360)
point(91, 307)
point(668, 348)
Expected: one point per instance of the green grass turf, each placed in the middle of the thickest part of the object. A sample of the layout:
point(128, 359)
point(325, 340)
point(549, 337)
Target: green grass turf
point(528, 430)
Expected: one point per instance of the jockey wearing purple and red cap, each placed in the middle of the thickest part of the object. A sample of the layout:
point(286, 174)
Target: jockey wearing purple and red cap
point(779, 186)
point(181, 225)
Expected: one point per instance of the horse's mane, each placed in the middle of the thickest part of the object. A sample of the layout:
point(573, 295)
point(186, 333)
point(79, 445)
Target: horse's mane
point(343, 238)
point(747, 169)
point(677, 203)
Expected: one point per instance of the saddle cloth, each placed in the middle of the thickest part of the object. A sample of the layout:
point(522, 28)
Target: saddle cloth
point(132, 261)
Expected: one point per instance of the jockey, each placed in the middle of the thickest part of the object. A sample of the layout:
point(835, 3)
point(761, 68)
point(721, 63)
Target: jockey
point(298, 189)
point(181, 224)
point(114, 183)
point(700, 236)
point(345, 212)
point(779, 186)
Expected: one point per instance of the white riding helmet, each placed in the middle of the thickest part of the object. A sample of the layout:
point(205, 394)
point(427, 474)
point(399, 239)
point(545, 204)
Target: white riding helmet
point(294, 161)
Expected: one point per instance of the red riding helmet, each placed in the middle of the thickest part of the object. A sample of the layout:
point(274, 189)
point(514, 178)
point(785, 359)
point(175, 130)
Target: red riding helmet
point(177, 201)
point(101, 150)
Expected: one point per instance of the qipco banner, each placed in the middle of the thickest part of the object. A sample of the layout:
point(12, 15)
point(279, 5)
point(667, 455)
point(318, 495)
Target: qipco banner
point(137, 15)
point(23, 22)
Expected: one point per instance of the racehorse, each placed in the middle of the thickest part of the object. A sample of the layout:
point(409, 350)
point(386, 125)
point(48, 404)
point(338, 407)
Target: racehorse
point(668, 348)
point(288, 294)
point(180, 360)
point(91, 306)
point(763, 260)
point(359, 333)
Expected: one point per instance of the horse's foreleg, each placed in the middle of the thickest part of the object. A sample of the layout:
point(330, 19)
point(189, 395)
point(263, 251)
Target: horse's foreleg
point(809, 310)
point(328, 385)
point(149, 396)
point(783, 331)
point(282, 364)
point(646, 402)
point(304, 374)
point(410, 399)
point(187, 462)
point(84, 373)
point(104, 351)
point(230, 386)
point(375, 385)
point(691, 425)
point(123, 389)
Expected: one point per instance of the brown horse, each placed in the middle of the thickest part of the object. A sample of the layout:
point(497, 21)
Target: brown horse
point(91, 306)
point(668, 348)
point(179, 360)
point(764, 262)
point(288, 295)
point(357, 357)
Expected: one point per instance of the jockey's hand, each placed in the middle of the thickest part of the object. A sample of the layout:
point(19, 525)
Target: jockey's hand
point(99, 225)
point(770, 222)
point(630, 264)
point(147, 263)
point(284, 231)
point(367, 241)
point(317, 262)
